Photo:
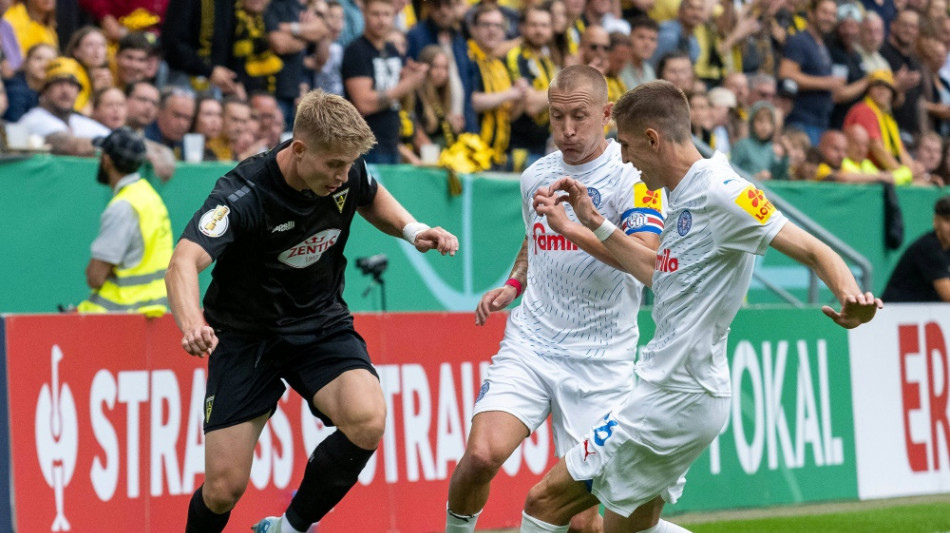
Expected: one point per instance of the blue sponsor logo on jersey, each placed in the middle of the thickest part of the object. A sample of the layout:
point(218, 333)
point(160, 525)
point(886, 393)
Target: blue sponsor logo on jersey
point(594, 196)
point(684, 223)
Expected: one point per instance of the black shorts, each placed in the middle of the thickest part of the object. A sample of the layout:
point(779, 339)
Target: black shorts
point(245, 372)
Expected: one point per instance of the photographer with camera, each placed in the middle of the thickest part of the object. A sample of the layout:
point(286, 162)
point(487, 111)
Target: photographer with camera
point(277, 225)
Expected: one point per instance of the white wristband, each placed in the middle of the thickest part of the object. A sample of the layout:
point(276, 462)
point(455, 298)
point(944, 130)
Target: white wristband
point(605, 230)
point(412, 230)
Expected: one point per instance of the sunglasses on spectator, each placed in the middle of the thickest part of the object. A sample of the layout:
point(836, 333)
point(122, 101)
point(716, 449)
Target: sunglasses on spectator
point(595, 47)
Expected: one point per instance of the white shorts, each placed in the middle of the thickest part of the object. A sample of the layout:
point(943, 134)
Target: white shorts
point(575, 392)
point(644, 447)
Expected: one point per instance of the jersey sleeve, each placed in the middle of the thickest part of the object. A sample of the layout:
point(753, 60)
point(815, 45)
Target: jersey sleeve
point(222, 218)
point(742, 217)
point(368, 186)
point(355, 63)
point(117, 228)
point(932, 263)
point(643, 212)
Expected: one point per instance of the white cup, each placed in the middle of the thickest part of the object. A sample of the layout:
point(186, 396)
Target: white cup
point(18, 136)
point(430, 153)
point(194, 147)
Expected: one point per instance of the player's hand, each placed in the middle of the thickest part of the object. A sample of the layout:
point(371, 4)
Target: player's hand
point(494, 300)
point(437, 239)
point(547, 206)
point(577, 196)
point(856, 310)
point(199, 340)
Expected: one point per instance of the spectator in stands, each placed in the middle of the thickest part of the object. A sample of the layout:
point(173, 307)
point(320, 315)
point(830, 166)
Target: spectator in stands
point(885, 10)
point(678, 34)
point(88, 47)
point(496, 99)
point(900, 50)
point(928, 153)
point(441, 27)
point(738, 40)
point(531, 61)
point(434, 124)
point(291, 28)
point(677, 69)
point(875, 116)
point(803, 158)
point(923, 272)
point(760, 154)
point(845, 58)
point(700, 116)
point(109, 108)
point(618, 57)
point(936, 89)
point(134, 244)
point(54, 119)
point(509, 26)
point(562, 53)
point(722, 105)
point(762, 87)
point(353, 23)
point(327, 58)
point(374, 79)
point(265, 109)
point(644, 32)
point(4, 102)
point(236, 117)
point(176, 110)
point(595, 46)
point(208, 122)
point(574, 12)
point(197, 43)
point(870, 40)
point(118, 19)
point(837, 164)
point(738, 83)
point(33, 22)
point(141, 102)
point(23, 89)
point(131, 58)
point(600, 13)
point(808, 63)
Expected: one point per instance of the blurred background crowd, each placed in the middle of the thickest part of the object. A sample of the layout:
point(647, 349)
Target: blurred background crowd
point(849, 91)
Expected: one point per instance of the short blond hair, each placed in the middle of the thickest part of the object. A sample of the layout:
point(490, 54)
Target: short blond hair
point(331, 122)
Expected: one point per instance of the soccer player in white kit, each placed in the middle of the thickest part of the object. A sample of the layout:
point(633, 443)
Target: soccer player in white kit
point(716, 223)
point(569, 348)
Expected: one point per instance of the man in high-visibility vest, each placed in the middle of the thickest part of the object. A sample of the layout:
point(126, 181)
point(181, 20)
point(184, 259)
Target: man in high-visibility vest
point(134, 244)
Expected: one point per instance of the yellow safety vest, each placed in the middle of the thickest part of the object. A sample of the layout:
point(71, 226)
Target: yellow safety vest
point(139, 289)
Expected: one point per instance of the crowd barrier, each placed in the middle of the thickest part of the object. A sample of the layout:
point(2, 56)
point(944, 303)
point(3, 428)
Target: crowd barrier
point(52, 207)
point(104, 421)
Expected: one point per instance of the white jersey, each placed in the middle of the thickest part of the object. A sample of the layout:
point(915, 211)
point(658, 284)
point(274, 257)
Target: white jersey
point(574, 305)
point(716, 221)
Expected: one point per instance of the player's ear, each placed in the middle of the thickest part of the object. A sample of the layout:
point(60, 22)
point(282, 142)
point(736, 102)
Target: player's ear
point(653, 137)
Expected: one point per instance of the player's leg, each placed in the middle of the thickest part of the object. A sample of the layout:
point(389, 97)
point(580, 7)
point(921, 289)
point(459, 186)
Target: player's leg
point(554, 500)
point(354, 402)
point(615, 523)
point(492, 439)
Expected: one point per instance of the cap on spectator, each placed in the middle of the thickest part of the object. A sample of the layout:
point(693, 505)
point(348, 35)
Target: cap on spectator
point(125, 148)
point(942, 207)
point(787, 88)
point(62, 68)
point(882, 77)
point(722, 97)
point(851, 11)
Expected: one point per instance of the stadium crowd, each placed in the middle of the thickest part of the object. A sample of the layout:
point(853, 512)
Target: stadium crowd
point(849, 91)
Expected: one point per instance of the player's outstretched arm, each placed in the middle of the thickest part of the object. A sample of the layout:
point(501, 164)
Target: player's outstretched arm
point(390, 217)
point(857, 307)
point(501, 297)
point(628, 254)
point(181, 281)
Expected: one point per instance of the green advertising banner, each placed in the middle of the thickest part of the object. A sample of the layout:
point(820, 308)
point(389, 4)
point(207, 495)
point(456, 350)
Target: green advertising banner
point(51, 206)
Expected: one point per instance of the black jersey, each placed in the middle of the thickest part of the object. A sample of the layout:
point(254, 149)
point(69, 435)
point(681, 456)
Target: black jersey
point(278, 251)
point(923, 262)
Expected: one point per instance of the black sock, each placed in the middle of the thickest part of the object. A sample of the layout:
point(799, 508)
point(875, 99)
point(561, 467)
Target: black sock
point(332, 470)
point(204, 520)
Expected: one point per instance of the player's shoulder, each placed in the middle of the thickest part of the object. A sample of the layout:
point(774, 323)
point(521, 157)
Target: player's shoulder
point(551, 164)
point(720, 180)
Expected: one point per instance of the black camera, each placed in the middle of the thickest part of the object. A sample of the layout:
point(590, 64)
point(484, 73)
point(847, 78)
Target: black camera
point(373, 265)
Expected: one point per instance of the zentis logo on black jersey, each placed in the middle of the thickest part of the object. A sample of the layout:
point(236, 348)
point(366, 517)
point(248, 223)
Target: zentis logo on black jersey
point(308, 252)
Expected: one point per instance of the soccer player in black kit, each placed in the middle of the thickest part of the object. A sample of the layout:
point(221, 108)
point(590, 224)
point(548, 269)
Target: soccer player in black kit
point(277, 225)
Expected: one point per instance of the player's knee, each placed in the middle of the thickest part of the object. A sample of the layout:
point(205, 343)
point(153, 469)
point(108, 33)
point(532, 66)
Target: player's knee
point(482, 462)
point(588, 521)
point(366, 430)
point(222, 494)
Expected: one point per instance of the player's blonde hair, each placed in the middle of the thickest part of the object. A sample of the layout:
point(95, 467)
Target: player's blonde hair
point(581, 77)
point(331, 122)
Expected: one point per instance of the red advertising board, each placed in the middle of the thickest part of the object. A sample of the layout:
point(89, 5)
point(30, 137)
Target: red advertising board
point(106, 413)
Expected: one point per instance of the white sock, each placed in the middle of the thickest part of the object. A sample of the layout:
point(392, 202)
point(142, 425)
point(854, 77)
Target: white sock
point(285, 526)
point(458, 523)
point(530, 524)
point(665, 527)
